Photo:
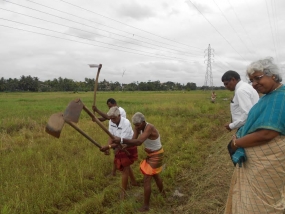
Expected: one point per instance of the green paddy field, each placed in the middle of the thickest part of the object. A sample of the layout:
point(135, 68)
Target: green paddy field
point(43, 174)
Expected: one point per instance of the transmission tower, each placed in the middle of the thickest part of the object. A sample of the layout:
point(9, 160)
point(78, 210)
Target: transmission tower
point(208, 77)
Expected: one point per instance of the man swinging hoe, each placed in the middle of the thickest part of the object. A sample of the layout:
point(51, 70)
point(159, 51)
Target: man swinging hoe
point(151, 166)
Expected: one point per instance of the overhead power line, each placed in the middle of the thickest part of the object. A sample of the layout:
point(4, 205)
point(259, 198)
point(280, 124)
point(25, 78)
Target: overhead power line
point(216, 30)
point(233, 28)
point(89, 43)
point(181, 51)
point(99, 23)
point(273, 38)
point(241, 25)
point(125, 24)
point(91, 26)
point(88, 39)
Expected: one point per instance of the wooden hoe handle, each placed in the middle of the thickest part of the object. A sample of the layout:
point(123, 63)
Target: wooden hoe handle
point(101, 125)
point(96, 84)
point(83, 133)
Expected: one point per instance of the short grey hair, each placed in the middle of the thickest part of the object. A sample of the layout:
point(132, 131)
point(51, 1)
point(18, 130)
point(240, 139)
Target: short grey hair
point(114, 111)
point(266, 66)
point(138, 118)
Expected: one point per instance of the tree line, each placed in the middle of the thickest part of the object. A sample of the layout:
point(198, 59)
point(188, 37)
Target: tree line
point(33, 84)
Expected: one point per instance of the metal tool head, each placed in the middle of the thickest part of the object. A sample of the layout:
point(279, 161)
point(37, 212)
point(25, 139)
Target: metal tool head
point(94, 65)
point(73, 110)
point(55, 124)
point(57, 120)
point(71, 117)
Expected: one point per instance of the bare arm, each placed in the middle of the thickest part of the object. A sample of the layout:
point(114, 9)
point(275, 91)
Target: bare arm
point(104, 115)
point(137, 139)
point(256, 138)
point(109, 146)
point(136, 134)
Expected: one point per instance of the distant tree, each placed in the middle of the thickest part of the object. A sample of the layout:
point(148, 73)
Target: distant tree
point(116, 86)
point(178, 86)
point(28, 83)
point(131, 86)
point(12, 84)
point(89, 84)
point(191, 86)
point(2, 84)
point(54, 85)
point(170, 85)
point(104, 86)
point(142, 86)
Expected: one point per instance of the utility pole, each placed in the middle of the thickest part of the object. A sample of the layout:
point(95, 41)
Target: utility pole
point(209, 53)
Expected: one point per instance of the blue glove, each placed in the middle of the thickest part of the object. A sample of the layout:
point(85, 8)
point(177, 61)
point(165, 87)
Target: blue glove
point(239, 157)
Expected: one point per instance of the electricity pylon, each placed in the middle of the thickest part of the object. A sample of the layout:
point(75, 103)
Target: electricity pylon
point(208, 77)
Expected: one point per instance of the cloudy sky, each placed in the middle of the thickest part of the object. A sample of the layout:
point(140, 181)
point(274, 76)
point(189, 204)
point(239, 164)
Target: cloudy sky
point(165, 40)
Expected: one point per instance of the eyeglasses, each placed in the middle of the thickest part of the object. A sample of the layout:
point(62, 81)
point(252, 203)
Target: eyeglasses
point(256, 78)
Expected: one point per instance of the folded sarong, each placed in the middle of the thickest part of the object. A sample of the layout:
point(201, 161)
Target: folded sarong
point(122, 159)
point(153, 163)
point(239, 157)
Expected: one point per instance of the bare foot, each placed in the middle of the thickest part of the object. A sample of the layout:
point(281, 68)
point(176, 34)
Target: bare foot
point(144, 209)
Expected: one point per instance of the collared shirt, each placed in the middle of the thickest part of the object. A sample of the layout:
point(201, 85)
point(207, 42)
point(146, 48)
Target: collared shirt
point(122, 112)
point(123, 130)
point(245, 97)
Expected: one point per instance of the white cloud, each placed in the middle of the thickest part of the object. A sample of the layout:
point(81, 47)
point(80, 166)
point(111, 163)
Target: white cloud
point(136, 10)
point(150, 40)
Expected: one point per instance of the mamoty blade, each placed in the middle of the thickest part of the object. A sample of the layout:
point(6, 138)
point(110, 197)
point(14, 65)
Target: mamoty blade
point(93, 66)
point(55, 124)
point(73, 110)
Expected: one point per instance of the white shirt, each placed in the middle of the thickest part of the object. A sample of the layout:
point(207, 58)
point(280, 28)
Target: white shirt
point(123, 130)
point(122, 112)
point(245, 97)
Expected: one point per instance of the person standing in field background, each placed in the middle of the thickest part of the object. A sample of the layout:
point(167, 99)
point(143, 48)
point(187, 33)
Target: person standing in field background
point(213, 97)
point(111, 102)
point(245, 96)
point(258, 186)
point(146, 133)
point(121, 128)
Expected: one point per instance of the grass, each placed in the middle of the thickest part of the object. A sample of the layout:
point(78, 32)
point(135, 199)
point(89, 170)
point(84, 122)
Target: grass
point(42, 174)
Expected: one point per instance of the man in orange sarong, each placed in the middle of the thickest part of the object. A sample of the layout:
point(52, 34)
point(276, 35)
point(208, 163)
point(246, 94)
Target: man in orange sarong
point(145, 133)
